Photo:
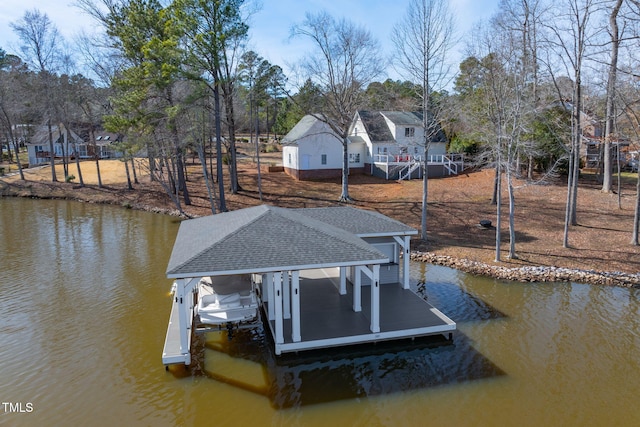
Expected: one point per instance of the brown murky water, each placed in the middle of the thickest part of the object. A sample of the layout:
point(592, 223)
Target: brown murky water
point(84, 306)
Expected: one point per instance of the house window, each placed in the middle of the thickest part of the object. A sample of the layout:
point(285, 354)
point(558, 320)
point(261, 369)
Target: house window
point(409, 132)
point(289, 158)
point(324, 159)
point(354, 157)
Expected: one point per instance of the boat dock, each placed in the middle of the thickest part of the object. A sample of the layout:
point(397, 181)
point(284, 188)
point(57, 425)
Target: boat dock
point(324, 277)
point(327, 318)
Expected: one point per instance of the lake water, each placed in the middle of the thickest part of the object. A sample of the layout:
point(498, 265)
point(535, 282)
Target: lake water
point(84, 306)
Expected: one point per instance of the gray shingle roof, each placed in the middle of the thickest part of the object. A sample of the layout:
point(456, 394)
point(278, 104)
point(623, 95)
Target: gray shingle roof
point(403, 117)
point(362, 223)
point(264, 238)
point(378, 130)
point(375, 126)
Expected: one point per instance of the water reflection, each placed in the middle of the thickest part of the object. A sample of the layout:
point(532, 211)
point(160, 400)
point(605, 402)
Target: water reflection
point(322, 376)
point(373, 370)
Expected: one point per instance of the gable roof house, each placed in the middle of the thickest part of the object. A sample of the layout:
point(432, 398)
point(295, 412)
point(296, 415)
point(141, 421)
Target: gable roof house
point(393, 141)
point(312, 150)
point(386, 144)
point(69, 144)
point(38, 147)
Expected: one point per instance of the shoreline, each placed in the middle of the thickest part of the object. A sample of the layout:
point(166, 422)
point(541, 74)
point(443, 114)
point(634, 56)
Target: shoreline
point(31, 189)
point(531, 273)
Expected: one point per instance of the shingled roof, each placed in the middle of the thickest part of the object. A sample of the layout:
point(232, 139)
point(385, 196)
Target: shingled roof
point(360, 222)
point(267, 238)
point(376, 127)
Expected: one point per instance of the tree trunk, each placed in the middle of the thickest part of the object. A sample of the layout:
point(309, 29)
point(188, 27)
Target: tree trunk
point(344, 196)
point(258, 155)
point(611, 89)
point(52, 158)
point(126, 168)
point(512, 228)
point(636, 216)
point(234, 186)
point(577, 140)
point(222, 207)
point(182, 181)
point(75, 151)
point(425, 192)
point(498, 210)
point(203, 163)
point(494, 196)
point(567, 213)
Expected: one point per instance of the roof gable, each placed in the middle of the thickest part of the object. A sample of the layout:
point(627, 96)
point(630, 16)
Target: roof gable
point(41, 135)
point(307, 126)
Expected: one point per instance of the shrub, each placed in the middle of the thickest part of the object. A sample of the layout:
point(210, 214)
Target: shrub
point(269, 148)
point(70, 178)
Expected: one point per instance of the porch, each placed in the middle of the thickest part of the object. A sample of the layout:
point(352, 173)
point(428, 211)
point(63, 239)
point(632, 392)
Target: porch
point(408, 166)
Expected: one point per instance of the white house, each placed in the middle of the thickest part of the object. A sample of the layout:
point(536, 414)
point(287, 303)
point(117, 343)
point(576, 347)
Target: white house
point(69, 144)
point(312, 150)
point(394, 143)
point(64, 143)
point(388, 144)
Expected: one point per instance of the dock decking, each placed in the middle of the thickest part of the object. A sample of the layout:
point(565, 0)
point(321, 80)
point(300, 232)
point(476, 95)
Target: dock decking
point(327, 318)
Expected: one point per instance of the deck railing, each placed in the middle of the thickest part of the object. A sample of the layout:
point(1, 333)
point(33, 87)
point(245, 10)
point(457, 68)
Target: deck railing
point(453, 163)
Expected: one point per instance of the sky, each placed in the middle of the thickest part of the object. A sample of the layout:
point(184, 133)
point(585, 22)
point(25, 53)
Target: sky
point(270, 26)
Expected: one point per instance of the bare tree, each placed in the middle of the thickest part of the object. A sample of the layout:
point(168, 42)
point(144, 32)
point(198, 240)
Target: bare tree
point(423, 40)
point(614, 34)
point(345, 59)
point(571, 35)
point(40, 45)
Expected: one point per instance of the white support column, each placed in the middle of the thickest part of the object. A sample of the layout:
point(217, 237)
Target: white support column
point(405, 262)
point(375, 299)
point(357, 290)
point(295, 306)
point(405, 245)
point(343, 280)
point(269, 287)
point(286, 294)
point(277, 307)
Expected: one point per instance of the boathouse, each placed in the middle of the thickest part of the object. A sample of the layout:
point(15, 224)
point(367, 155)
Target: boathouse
point(325, 277)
